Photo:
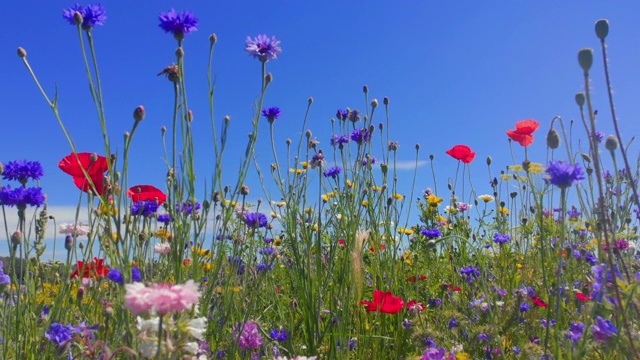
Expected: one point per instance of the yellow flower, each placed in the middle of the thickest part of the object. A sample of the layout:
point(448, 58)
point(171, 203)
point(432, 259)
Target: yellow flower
point(450, 210)
point(297, 171)
point(107, 209)
point(162, 233)
point(463, 356)
point(506, 177)
point(275, 216)
point(405, 231)
point(515, 168)
point(206, 266)
point(315, 227)
point(397, 196)
point(521, 178)
point(348, 183)
point(325, 198)
point(280, 204)
point(308, 210)
point(48, 293)
point(201, 252)
point(434, 201)
point(503, 210)
point(277, 241)
point(486, 198)
point(305, 165)
point(376, 188)
point(365, 203)
point(536, 168)
point(519, 266)
point(443, 220)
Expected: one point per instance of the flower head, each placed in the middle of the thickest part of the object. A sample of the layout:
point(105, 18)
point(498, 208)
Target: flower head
point(178, 24)
point(384, 302)
point(563, 174)
point(146, 193)
point(501, 238)
point(333, 172)
point(188, 207)
point(523, 132)
point(263, 47)
point(278, 335)
point(22, 170)
point(603, 329)
point(59, 334)
point(21, 197)
point(93, 269)
point(78, 229)
point(256, 220)
point(360, 136)
point(271, 113)
point(144, 208)
point(247, 335)
point(116, 276)
point(575, 331)
point(342, 114)
point(431, 233)
point(462, 153)
point(92, 15)
point(161, 298)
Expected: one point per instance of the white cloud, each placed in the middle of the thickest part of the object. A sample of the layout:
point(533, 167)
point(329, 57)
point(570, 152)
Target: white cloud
point(408, 164)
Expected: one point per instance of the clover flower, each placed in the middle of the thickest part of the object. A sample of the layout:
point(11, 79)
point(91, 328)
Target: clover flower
point(22, 171)
point(161, 298)
point(247, 335)
point(563, 174)
point(92, 15)
point(263, 47)
point(271, 113)
point(178, 24)
point(332, 172)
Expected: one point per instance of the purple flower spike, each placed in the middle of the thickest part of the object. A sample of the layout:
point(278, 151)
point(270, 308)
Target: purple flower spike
point(178, 24)
point(263, 47)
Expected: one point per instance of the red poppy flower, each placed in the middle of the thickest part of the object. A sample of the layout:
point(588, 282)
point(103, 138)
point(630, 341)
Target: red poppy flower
point(523, 131)
point(93, 269)
point(73, 166)
point(98, 181)
point(422, 277)
point(539, 302)
point(454, 288)
point(373, 250)
point(341, 243)
point(462, 153)
point(415, 306)
point(384, 302)
point(582, 297)
point(146, 192)
point(411, 278)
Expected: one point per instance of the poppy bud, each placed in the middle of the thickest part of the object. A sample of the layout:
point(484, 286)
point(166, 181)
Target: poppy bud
point(244, 190)
point(580, 99)
point(77, 18)
point(189, 116)
point(385, 100)
point(553, 139)
point(138, 113)
point(417, 146)
point(372, 128)
point(393, 146)
point(589, 171)
point(16, 238)
point(81, 245)
point(213, 38)
point(585, 58)
point(513, 195)
point(611, 143)
point(308, 134)
point(80, 293)
point(288, 142)
point(365, 89)
point(216, 197)
point(602, 29)
point(163, 130)
point(268, 78)
point(585, 157)
point(381, 126)
point(227, 188)
point(310, 100)
point(180, 53)
point(489, 160)
point(227, 119)
point(374, 103)
point(22, 52)
point(525, 165)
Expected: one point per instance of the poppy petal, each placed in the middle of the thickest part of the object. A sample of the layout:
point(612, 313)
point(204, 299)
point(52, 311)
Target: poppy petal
point(73, 166)
point(145, 193)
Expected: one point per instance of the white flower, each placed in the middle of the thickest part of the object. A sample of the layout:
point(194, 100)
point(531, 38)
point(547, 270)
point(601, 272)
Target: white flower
point(197, 327)
point(148, 348)
point(79, 229)
point(148, 325)
point(191, 347)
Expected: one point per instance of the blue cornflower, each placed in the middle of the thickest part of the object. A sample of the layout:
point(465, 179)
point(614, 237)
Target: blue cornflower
point(22, 171)
point(116, 276)
point(453, 323)
point(501, 238)
point(563, 174)
point(264, 267)
point(188, 207)
point(574, 213)
point(434, 302)
point(333, 172)
point(431, 233)
point(598, 136)
point(575, 331)
point(164, 218)
point(406, 324)
point(369, 161)
point(470, 271)
point(516, 350)
point(337, 140)
point(267, 251)
point(178, 24)
point(317, 160)
point(603, 329)
point(136, 275)
point(524, 307)
point(92, 15)
point(263, 47)
point(4, 278)
point(360, 136)
point(271, 113)
point(279, 335)
point(144, 208)
point(59, 334)
point(342, 114)
point(483, 337)
point(354, 115)
point(255, 220)
point(21, 197)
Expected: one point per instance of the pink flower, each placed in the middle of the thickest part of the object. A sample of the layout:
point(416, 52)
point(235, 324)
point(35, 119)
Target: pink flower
point(162, 248)
point(160, 298)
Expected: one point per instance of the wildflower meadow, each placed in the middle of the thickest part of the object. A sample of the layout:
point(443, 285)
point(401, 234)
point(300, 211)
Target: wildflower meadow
point(330, 256)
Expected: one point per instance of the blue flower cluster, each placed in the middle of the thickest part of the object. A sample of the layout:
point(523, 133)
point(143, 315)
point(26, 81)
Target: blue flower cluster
point(22, 196)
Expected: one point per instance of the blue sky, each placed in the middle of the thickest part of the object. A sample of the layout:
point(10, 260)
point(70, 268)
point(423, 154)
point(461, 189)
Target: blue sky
point(456, 73)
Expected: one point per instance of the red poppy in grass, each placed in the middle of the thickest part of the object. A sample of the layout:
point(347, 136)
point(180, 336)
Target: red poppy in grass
point(411, 278)
point(415, 306)
point(462, 153)
point(384, 302)
point(422, 277)
point(341, 243)
point(539, 302)
point(523, 132)
point(373, 250)
point(98, 181)
point(146, 192)
point(73, 166)
point(582, 297)
point(92, 269)
point(454, 288)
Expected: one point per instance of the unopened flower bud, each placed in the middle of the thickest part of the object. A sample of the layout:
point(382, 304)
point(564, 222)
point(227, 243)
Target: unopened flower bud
point(93, 158)
point(417, 146)
point(365, 89)
point(81, 245)
point(585, 58)
point(22, 52)
point(213, 38)
point(384, 167)
point(310, 100)
point(68, 242)
point(525, 165)
point(602, 29)
point(16, 238)
point(227, 119)
point(381, 126)
point(385, 100)
point(126, 136)
point(216, 197)
point(308, 134)
point(586, 157)
point(611, 143)
point(163, 129)
point(244, 190)
point(179, 52)
point(80, 293)
point(393, 146)
point(580, 99)
point(138, 113)
point(189, 115)
point(268, 78)
point(489, 160)
point(288, 141)
point(553, 139)
point(77, 18)
point(374, 103)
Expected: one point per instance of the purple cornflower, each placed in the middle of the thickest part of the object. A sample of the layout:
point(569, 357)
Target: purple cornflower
point(339, 140)
point(431, 233)
point(501, 238)
point(471, 272)
point(264, 267)
point(271, 113)
point(598, 136)
point(453, 323)
point(483, 337)
point(267, 251)
point(434, 302)
point(178, 24)
point(342, 114)
point(575, 331)
point(369, 161)
point(563, 174)
point(590, 258)
point(354, 115)
point(516, 350)
point(524, 307)
point(144, 208)
point(603, 329)
point(263, 47)
point(116, 276)
point(278, 335)
point(4, 278)
point(164, 218)
point(360, 136)
point(247, 335)
point(188, 208)
point(406, 324)
point(136, 275)
point(332, 172)
point(317, 160)
point(92, 15)
point(546, 324)
point(59, 334)
point(434, 354)
point(255, 220)
point(21, 197)
point(22, 171)
point(574, 213)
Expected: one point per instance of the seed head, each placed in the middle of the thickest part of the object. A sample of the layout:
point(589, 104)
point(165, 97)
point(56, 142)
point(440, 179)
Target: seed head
point(611, 143)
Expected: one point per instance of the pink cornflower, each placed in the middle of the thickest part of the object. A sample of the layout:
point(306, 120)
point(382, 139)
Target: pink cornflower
point(162, 248)
point(160, 298)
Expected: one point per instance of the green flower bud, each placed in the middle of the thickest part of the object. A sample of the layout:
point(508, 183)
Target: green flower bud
point(553, 139)
point(585, 58)
point(580, 99)
point(602, 29)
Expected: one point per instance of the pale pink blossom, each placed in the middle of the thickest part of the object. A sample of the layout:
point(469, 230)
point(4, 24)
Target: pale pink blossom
point(78, 229)
point(161, 299)
point(162, 248)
